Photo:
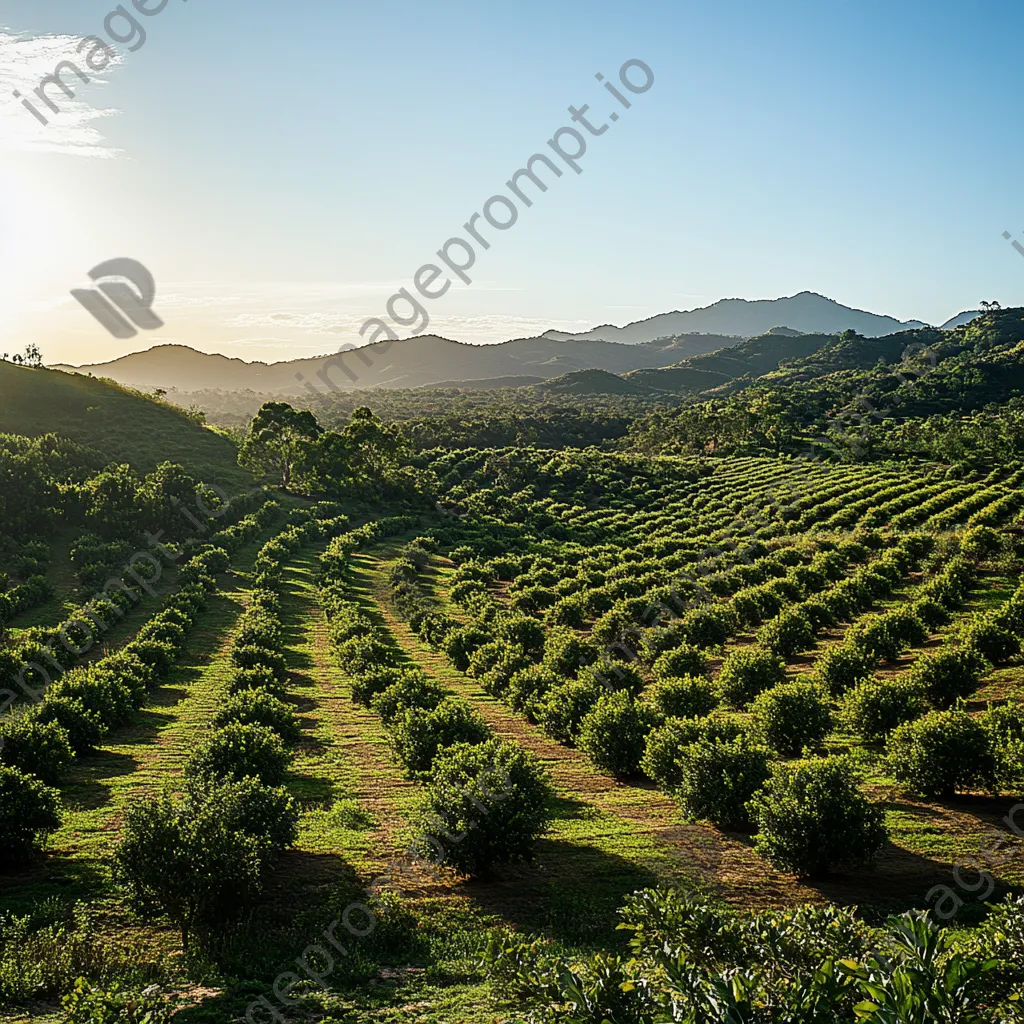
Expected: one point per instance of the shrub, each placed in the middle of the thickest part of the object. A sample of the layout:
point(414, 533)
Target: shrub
point(238, 751)
point(170, 633)
point(949, 675)
point(942, 753)
point(1005, 727)
point(460, 644)
point(568, 611)
point(792, 716)
point(614, 732)
point(616, 676)
point(363, 653)
point(522, 631)
point(484, 658)
point(259, 628)
point(83, 726)
point(495, 796)
point(684, 660)
point(419, 735)
point(528, 687)
point(874, 708)
point(989, 639)
point(130, 670)
point(875, 635)
point(718, 777)
point(563, 708)
point(512, 659)
point(260, 707)
point(159, 656)
point(905, 625)
point(198, 860)
point(266, 813)
point(661, 639)
point(36, 748)
point(842, 667)
point(28, 812)
point(930, 612)
point(979, 542)
point(412, 689)
point(258, 678)
point(99, 692)
point(819, 613)
point(746, 673)
point(686, 697)
point(708, 627)
point(789, 633)
point(260, 657)
point(661, 761)
point(366, 685)
point(565, 652)
point(811, 818)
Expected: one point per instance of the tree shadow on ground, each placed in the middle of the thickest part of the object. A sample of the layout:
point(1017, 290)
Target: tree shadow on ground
point(900, 880)
point(571, 892)
point(84, 789)
point(307, 894)
point(50, 875)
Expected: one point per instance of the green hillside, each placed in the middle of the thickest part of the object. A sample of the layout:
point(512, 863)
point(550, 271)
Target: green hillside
point(596, 382)
point(729, 366)
point(124, 425)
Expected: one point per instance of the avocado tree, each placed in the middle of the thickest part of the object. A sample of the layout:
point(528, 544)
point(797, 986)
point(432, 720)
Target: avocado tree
point(279, 439)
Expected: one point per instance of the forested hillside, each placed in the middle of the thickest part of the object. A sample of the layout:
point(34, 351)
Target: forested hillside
point(954, 396)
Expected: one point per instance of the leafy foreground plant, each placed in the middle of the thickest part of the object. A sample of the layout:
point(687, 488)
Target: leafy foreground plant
point(695, 962)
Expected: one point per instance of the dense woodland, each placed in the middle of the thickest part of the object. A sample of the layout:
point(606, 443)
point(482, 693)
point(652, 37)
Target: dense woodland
point(541, 704)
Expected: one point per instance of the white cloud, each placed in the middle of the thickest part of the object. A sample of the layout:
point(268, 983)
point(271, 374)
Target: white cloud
point(24, 61)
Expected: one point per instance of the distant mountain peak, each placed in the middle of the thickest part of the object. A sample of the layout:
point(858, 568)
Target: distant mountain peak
point(806, 312)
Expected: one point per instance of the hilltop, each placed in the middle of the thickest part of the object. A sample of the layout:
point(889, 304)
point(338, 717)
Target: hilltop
point(122, 424)
point(807, 313)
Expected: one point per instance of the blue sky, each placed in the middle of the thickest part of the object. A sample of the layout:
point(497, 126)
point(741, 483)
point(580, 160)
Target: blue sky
point(283, 169)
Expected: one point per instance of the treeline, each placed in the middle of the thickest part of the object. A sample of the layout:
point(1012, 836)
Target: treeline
point(455, 417)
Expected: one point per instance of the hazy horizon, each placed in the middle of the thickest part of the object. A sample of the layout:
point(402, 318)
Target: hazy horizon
point(485, 331)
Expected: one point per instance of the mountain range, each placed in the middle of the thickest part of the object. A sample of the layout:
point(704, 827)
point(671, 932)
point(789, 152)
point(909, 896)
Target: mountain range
point(414, 362)
point(673, 342)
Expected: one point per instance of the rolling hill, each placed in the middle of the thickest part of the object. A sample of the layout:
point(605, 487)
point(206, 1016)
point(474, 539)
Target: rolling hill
point(414, 362)
point(121, 424)
point(597, 382)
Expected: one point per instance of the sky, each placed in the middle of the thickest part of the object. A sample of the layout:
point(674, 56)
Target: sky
point(282, 170)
